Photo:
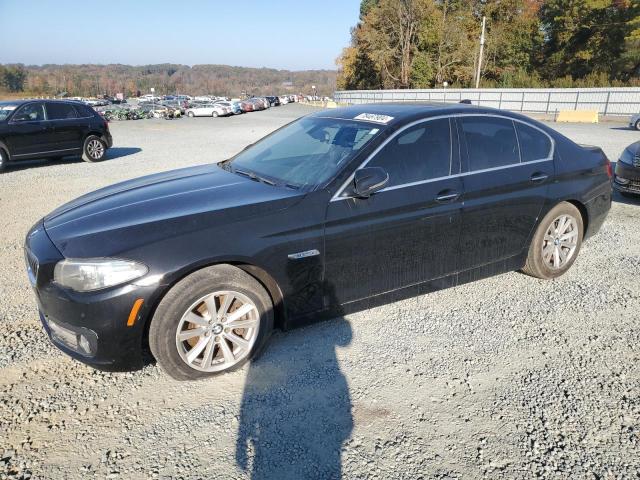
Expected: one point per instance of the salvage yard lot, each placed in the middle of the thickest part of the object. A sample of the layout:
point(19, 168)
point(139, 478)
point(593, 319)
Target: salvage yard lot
point(508, 377)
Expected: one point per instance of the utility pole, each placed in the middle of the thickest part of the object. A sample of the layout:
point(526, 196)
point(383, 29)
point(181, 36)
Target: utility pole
point(484, 21)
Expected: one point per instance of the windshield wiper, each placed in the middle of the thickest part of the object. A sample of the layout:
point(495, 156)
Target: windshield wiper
point(225, 165)
point(254, 176)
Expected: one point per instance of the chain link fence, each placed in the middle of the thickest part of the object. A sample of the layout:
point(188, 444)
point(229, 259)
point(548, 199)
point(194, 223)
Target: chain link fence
point(607, 101)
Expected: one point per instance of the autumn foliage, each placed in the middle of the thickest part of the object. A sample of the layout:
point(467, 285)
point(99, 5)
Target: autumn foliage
point(529, 43)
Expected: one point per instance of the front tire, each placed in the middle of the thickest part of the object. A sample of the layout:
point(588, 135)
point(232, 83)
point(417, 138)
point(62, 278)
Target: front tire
point(556, 243)
point(94, 149)
point(190, 114)
point(214, 114)
point(211, 322)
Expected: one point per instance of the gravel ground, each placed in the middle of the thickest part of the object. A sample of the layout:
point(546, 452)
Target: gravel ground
point(508, 377)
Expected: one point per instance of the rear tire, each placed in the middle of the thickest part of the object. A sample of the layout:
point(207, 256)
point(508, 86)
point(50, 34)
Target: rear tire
point(94, 149)
point(190, 115)
point(185, 308)
point(556, 243)
point(214, 114)
point(637, 125)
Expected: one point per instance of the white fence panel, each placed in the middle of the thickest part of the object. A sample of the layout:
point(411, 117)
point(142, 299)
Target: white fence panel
point(607, 101)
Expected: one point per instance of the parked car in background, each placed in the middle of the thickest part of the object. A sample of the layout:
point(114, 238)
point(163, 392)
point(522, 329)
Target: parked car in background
point(95, 102)
point(284, 99)
point(148, 98)
point(380, 202)
point(259, 104)
point(209, 110)
point(247, 106)
point(273, 101)
point(627, 174)
point(157, 109)
point(176, 105)
point(634, 121)
point(51, 129)
point(233, 106)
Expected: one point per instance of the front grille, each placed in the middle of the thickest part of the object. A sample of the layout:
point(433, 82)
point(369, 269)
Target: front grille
point(32, 265)
point(634, 185)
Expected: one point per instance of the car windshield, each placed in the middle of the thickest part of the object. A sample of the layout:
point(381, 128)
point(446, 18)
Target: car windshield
point(5, 111)
point(304, 153)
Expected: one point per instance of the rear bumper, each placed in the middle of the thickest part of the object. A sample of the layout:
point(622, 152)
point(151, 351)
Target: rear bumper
point(108, 139)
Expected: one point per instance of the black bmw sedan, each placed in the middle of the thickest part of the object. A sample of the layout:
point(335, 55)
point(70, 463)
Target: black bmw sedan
point(627, 175)
point(338, 211)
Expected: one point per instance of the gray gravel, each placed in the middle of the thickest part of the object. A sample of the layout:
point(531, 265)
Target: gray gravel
point(509, 377)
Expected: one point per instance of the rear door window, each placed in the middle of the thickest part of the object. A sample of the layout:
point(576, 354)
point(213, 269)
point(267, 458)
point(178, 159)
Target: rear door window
point(84, 111)
point(422, 152)
point(534, 145)
point(32, 112)
point(491, 142)
point(60, 111)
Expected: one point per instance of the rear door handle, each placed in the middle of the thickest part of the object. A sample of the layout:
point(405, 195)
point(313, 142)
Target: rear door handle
point(447, 196)
point(539, 177)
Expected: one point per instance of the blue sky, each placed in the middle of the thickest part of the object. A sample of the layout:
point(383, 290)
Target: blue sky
point(286, 34)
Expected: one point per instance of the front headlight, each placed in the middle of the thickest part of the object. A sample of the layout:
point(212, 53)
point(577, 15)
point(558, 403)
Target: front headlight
point(85, 275)
point(626, 157)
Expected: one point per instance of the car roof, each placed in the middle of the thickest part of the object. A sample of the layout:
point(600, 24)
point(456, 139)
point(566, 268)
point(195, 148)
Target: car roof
point(405, 112)
point(28, 100)
point(11, 103)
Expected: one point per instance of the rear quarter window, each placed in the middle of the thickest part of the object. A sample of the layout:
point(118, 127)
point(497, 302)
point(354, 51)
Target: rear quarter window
point(60, 111)
point(534, 145)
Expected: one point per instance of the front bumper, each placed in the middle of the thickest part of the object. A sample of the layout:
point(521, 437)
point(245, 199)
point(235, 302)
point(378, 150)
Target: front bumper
point(91, 327)
point(630, 176)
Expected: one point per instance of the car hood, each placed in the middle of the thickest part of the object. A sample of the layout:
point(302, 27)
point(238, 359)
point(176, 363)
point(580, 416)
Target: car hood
point(164, 197)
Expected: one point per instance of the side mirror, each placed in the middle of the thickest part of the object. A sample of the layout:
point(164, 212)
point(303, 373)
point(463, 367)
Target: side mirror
point(368, 181)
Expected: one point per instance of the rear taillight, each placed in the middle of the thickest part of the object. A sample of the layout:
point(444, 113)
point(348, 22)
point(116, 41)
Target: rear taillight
point(609, 169)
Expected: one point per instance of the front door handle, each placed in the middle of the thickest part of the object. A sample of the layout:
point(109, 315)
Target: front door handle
point(539, 177)
point(447, 196)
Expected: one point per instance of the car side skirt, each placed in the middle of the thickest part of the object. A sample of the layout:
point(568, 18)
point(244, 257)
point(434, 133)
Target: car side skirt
point(485, 271)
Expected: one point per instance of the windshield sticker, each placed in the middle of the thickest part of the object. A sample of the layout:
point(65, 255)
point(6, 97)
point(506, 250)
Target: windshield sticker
point(373, 131)
point(8, 107)
point(374, 117)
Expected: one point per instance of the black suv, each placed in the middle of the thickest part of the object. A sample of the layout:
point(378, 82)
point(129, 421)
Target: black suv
point(273, 101)
point(51, 129)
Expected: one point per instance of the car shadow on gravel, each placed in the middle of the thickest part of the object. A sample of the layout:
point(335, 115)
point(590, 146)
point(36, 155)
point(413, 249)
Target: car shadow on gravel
point(41, 162)
point(296, 407)
point(112, 153)
point(619, 198)
point(119, 152)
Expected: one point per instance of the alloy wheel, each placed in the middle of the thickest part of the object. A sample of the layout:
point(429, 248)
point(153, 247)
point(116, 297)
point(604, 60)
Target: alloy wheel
point(560, 242)
point(217, 331)
point(95, 149)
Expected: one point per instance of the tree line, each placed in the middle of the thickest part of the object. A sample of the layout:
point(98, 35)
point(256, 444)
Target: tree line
point(94, 80)
point(528, 43)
